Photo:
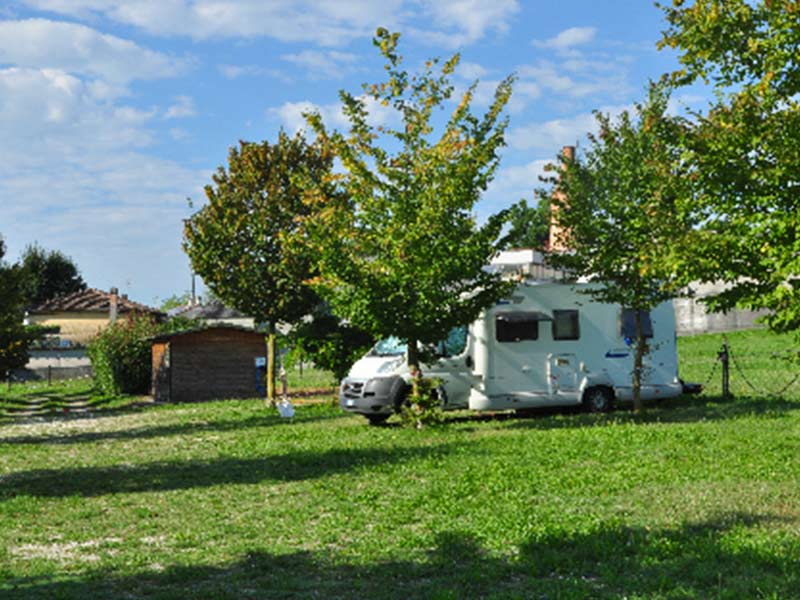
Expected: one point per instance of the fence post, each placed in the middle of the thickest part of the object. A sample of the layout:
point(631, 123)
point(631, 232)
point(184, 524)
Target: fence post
point(724, 358)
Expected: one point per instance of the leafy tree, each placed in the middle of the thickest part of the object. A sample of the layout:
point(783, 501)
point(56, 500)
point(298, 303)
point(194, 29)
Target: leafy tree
point(48, 274)
point(745, 155)
point(244, 244)
point(328, 342)
point(530, 225)
point(15, 337)
point(175, 301)
point(401, 252)
point(623, 209)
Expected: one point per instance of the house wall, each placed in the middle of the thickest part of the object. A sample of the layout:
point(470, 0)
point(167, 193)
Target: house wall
point(214, 364)
point(691, 315)
point(78, 327)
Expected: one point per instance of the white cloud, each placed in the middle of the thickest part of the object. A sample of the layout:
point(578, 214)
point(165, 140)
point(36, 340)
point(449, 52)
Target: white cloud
point(183, 107)
point(569, 38)
point(77, 49)
point(329, 64)
point(461, 22)
point(551, 76)
point(324, 22)
point(290, 114)
point(551, 135)
point(237, 71)
point(327, 22)
point(483, 95)
point(471, 70)
point(74, 176)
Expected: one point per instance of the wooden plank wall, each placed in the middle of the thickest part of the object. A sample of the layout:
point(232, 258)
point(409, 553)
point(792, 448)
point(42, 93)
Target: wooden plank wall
point(214, 364)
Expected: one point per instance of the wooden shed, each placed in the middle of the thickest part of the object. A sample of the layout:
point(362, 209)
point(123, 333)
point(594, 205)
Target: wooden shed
point(207, 364)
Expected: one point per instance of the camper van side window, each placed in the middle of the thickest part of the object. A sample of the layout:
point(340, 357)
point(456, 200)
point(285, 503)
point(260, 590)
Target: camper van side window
point(628, 323)
point(516, 327)
point(566, 325)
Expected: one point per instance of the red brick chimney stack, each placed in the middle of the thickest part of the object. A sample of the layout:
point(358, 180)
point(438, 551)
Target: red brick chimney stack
point(558, 241)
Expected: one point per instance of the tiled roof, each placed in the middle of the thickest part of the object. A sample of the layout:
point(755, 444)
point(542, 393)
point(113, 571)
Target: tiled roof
point(90, 300)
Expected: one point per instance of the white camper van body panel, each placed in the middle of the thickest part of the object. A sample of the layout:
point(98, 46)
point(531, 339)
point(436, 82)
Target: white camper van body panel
point(514, 359)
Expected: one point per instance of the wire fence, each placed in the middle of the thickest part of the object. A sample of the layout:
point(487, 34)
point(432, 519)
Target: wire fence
point(738, 370)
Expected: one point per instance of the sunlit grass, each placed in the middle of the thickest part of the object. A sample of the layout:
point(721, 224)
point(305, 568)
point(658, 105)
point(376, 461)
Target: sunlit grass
point(696, 498)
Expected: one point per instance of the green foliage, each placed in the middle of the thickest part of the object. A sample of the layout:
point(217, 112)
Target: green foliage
point(530, 225)
point(241, 242)
point(15, 338)
point(745, 154)
point(175, 301)
point(400, 250)
point(424, 405)
point(48, 275)
point(626, 207)
point(328, 343)
point(121, 353)
point(248, 244)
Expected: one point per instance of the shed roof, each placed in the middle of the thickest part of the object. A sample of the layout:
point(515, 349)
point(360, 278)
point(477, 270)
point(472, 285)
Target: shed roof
point(90, 300)
point(165, 337)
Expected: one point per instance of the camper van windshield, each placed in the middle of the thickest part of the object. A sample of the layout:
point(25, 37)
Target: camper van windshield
point(455, 344)
point(390, 346)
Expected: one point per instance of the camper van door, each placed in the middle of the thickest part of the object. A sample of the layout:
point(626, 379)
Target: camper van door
point(519, 358)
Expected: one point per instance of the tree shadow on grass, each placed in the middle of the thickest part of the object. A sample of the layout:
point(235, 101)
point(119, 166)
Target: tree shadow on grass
point(175, 475)
point(700, 560)
point(141, 433)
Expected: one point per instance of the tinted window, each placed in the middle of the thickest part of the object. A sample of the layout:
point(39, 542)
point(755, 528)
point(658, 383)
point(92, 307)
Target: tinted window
point(456, 341)
point(566, 325)
point(516, 327)
point(628, 329)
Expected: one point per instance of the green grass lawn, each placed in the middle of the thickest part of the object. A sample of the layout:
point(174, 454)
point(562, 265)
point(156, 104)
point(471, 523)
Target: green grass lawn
point(696, 498)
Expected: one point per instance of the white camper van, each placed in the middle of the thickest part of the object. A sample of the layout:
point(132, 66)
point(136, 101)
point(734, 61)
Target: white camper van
point(547, 344)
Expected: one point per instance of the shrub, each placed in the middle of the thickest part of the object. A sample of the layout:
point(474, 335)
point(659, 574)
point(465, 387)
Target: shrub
point(424, 406)
point(120, 355)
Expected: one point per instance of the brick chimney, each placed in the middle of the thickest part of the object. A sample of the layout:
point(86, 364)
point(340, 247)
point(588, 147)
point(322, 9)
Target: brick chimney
point(559, 237)
point(113, 305)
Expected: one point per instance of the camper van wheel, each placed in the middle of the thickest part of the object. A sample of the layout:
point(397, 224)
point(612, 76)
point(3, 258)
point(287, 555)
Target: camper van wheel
point(376, 419)
point(398, 395)
point(598, 399)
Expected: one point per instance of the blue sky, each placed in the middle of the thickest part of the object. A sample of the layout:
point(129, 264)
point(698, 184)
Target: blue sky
point(114, 112)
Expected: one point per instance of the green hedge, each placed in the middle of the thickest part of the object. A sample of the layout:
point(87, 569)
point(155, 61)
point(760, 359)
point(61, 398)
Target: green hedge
point(120, 353)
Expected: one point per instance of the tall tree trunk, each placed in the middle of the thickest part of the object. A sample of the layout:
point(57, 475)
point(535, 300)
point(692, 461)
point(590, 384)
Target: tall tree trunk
point(271, 364)
point(638, 360)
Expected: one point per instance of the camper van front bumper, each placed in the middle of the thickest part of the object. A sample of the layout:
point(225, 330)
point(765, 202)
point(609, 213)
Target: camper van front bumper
point(370, 396)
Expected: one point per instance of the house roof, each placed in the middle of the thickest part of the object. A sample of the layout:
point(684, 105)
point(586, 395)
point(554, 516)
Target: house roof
point(165, 337)
point(90, 300)
point(212, 310)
